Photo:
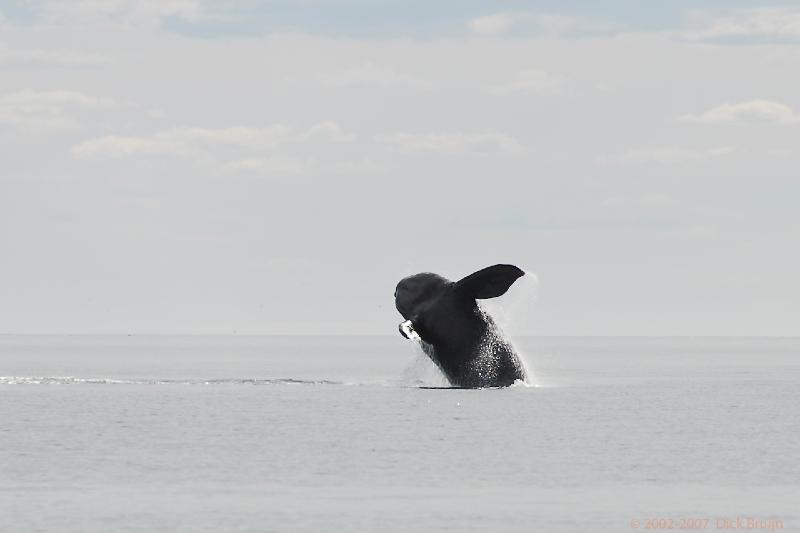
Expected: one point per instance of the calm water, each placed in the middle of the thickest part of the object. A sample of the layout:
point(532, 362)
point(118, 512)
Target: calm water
point(335, 434)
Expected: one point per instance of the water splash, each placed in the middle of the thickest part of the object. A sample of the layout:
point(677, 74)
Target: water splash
point(514, 311)
point(422, 371)
point(513, 315)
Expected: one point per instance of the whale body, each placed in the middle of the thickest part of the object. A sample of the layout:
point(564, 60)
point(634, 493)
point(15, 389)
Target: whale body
point(458, 336)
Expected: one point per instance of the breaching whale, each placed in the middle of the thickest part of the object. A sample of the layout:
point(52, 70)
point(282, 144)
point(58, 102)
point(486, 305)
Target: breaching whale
point(458, 336)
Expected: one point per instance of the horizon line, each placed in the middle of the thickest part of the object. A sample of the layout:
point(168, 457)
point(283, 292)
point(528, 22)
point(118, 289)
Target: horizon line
point(177, 334)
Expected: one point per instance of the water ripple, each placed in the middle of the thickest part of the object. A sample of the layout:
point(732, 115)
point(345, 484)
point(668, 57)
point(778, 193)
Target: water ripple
point(69, 380)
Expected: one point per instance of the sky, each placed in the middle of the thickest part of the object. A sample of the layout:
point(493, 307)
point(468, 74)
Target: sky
point(275, 167)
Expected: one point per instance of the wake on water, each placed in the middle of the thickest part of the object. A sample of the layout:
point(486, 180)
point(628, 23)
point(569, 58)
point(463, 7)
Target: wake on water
point(69, 380)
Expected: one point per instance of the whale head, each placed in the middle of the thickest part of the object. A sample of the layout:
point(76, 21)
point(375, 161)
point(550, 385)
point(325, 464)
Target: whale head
point(415, 294)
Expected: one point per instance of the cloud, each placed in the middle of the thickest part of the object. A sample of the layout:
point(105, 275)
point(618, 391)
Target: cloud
point(654, 199)
point(358, 167)
point(326, 131)
point(288, 166)
point(276, 166)
point(703, 232)
point(370, 74)
point(664, 155)
point(36, 118)
point(30, 97)
point(173, 142)
point(752, 111)
point(533, 80)
point(188, 142)
point(51, 57)
point(771, 24)
point(781, 152)
point(270, 151)
point(139, 13)
point(492, 24)
point(50, 110)
point(452, 142)
point(546, 24)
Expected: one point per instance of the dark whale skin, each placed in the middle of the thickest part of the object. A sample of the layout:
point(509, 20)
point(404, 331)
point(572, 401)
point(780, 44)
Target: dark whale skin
point(461, 339)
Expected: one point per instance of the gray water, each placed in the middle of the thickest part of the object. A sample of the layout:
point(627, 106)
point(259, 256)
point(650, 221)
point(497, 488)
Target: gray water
point(336, 434)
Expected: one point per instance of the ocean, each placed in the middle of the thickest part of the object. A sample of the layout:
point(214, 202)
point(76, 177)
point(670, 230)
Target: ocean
point(352, 434)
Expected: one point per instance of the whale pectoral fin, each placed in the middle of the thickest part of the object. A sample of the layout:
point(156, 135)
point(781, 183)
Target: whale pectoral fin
point(407, 330)
point(490, 282)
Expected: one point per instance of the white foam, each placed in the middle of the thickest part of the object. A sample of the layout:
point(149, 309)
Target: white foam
point(421, 370)
point(513, 315)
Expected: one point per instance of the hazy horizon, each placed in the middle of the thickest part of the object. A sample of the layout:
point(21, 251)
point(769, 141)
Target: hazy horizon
point(178, 334)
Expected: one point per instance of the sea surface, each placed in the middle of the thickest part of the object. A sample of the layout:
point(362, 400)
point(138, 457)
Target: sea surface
point(343, 434)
